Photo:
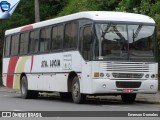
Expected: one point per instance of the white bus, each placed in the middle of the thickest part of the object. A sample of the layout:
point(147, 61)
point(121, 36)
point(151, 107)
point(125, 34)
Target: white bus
point(86, 53)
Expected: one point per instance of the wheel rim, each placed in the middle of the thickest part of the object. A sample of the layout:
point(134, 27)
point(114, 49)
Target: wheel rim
point(76, 90)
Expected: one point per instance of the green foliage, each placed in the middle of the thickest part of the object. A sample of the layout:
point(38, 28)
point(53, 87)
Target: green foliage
point(74, 6)
point(146, 7)
point(102, 5)
point(129, 6)
point(49, 9)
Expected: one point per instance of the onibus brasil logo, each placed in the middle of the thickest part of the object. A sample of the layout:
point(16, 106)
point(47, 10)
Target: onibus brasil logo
point(7, 8)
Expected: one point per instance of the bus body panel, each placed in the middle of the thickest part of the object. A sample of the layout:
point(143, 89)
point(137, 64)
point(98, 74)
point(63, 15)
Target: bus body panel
point(50, 71)
point(86, 84)
point(11, 72)
point(53, 75)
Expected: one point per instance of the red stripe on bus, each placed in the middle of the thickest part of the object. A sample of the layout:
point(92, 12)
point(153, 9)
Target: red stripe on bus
point(32, 63)
point(28, 27)
point(11, 70)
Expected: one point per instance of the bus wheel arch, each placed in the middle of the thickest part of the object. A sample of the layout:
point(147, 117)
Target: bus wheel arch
point(25, 93)
point(68, 95)
point(71, 76)
point(22, 74)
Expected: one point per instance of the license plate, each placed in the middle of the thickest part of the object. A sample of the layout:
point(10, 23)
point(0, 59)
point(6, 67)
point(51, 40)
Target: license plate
point(127, 90)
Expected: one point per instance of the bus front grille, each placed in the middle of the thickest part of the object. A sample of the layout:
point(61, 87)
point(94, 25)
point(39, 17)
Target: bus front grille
point(125, 67)
point(128, 84)
point(127, 75)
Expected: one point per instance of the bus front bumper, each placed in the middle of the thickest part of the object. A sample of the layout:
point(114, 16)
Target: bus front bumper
point(106, 86)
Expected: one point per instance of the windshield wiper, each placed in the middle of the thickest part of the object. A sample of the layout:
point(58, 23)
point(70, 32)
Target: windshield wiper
point(137, 31)
point(106, 30)
point(135, 35)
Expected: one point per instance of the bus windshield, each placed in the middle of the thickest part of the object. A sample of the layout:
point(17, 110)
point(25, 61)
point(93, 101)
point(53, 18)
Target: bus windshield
point(124, 42)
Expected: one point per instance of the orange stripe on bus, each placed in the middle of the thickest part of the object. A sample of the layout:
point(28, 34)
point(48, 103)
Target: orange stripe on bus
point(32, 58)
point(11, 69)
point(28, 27)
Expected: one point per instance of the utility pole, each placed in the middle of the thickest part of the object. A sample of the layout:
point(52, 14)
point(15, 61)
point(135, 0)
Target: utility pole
point(37, 14)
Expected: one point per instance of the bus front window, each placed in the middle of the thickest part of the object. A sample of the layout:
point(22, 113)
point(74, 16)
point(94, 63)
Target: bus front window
point(141, 41)
point(113, 41)
point(125, 42)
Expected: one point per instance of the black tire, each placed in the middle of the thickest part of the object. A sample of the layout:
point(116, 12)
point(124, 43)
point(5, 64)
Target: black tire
point(25, 93)
point(77, 97)
point(128, 98)
point(65, 95)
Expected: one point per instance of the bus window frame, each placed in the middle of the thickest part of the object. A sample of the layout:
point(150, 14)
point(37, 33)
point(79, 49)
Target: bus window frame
point(77, 35)
point(38, 51)
point(18, 44)
point(4, 49)
point(129, 23)
point(89, 21)
point(27, 45)
point(42, 28)
point(61, 49)
point(81, 42)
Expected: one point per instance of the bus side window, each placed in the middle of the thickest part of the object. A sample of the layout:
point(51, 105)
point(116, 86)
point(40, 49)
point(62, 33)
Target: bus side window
point(15, 44)
point(85, 37)
point(7, 46)
point(70, 39)
point(57, 37)
point(45, 39)
point(34, 40)
point(24, 37)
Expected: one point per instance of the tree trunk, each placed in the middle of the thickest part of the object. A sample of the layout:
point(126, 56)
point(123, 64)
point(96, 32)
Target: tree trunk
point(37, 14)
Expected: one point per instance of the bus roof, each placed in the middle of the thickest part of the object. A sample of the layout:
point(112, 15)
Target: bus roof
point(93, 15)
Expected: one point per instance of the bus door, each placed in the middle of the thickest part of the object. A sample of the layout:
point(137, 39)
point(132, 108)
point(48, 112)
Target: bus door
point(86, 52)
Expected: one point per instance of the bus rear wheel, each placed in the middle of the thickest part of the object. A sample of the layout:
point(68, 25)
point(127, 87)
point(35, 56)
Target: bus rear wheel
point(77, 97)
point(25, 93)
point(128, 98)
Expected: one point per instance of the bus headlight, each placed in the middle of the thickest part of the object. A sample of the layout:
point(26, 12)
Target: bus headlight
point(152, 76)
point(108, 75)
point(147, 76)
point(101, 75)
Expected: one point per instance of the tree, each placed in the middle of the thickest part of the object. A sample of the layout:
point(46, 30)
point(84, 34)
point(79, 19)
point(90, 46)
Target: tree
point(104, 5)
point(146, 7)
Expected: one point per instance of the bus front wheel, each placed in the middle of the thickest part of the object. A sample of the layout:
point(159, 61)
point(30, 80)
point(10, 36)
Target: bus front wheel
point(25, 93)
point(77, 97)
point(128, 98)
